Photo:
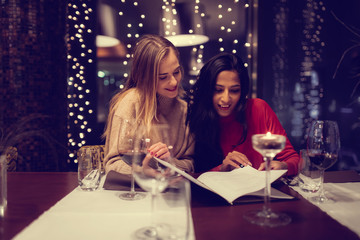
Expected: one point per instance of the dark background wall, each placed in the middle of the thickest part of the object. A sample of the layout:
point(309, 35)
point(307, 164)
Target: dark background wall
point(302, 74)
point(33, 72)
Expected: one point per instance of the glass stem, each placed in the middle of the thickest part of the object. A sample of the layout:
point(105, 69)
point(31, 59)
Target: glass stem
point(153, 197)
point(151, 231)
point(132, 188)
point(322, 192)
point(267, 190)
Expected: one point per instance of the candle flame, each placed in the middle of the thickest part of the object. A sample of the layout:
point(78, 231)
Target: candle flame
point(268, 134)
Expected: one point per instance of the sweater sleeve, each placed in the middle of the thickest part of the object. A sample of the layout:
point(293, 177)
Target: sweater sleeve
point(184, 160)
point(126, 109)
point(174, 115)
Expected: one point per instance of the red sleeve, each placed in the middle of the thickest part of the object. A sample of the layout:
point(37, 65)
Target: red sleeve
point(266, 116)
point(215, 169)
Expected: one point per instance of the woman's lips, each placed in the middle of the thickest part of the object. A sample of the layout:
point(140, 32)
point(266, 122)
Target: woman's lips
point(171, 90)
point(224, 107)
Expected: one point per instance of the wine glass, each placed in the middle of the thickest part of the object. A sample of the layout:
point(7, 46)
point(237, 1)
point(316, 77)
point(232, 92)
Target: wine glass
point(323, 145)
point(153, 176)
point(268, 145)
point(128, 151)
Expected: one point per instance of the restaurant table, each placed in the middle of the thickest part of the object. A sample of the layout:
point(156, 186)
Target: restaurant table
point(31, 194)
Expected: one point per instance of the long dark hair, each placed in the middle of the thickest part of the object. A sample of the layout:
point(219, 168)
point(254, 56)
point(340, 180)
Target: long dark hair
point(202, 117)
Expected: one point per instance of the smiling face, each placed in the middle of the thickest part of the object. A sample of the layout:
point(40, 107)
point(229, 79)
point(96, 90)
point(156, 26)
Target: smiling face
point(227, 92)
point(169, 76)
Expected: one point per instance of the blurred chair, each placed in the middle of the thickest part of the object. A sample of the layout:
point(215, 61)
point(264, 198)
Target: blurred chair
point(11, 158)
point(98, 151)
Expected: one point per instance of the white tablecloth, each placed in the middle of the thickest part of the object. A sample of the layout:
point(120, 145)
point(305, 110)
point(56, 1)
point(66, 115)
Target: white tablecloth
point(346, 209)
point(100, 214)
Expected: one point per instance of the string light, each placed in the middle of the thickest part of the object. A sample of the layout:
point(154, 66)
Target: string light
point(133, 26)
point(170, 20)
point(79, 57)
point(308, 91)
point(312, 49)
point(198, 50)
point(279, 61)
point(227, 25)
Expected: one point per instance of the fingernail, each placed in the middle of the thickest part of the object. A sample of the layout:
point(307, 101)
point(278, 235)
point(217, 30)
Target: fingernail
point(155, 155)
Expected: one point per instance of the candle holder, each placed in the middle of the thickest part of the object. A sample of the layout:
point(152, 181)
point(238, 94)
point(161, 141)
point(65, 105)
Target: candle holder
point(268, 145)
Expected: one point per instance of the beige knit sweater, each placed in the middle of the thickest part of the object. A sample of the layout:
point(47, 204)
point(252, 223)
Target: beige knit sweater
point(171, 112)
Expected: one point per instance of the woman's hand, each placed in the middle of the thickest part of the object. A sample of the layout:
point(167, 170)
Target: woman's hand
point(233, 160)
point(148, 166)
point(274, 165)
point(159, 150)
point(151, 167)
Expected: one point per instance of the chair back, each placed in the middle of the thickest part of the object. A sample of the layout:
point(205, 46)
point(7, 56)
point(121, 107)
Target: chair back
point(11, 158)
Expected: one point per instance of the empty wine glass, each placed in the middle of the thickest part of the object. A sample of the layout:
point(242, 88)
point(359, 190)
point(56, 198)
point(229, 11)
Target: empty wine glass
point(128, 130)
point(323, 146)
point(152, 176)
point(268, 145)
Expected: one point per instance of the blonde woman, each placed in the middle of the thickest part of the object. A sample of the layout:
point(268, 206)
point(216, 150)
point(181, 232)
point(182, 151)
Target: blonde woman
point(151, 95)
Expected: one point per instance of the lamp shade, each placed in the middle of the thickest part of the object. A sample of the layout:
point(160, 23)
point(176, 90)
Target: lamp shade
point(182, 24)
point(107, 42)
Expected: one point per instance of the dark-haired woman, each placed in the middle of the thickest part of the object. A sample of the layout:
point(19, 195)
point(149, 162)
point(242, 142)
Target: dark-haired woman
point(223, 119)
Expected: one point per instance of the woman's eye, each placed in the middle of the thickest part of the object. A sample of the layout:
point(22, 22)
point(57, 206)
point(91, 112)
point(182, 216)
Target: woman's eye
point(162, 78)
point(217, 90)
point(177, 72)
point(235, 90)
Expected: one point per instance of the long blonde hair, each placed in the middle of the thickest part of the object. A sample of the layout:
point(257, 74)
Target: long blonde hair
point(148, 53)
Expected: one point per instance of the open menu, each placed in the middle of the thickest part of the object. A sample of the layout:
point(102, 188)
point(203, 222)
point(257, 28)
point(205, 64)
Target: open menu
point(236, 183)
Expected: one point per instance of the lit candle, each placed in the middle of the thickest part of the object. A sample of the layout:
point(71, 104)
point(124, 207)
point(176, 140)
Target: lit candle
point(271, 141)
point(268, 136)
